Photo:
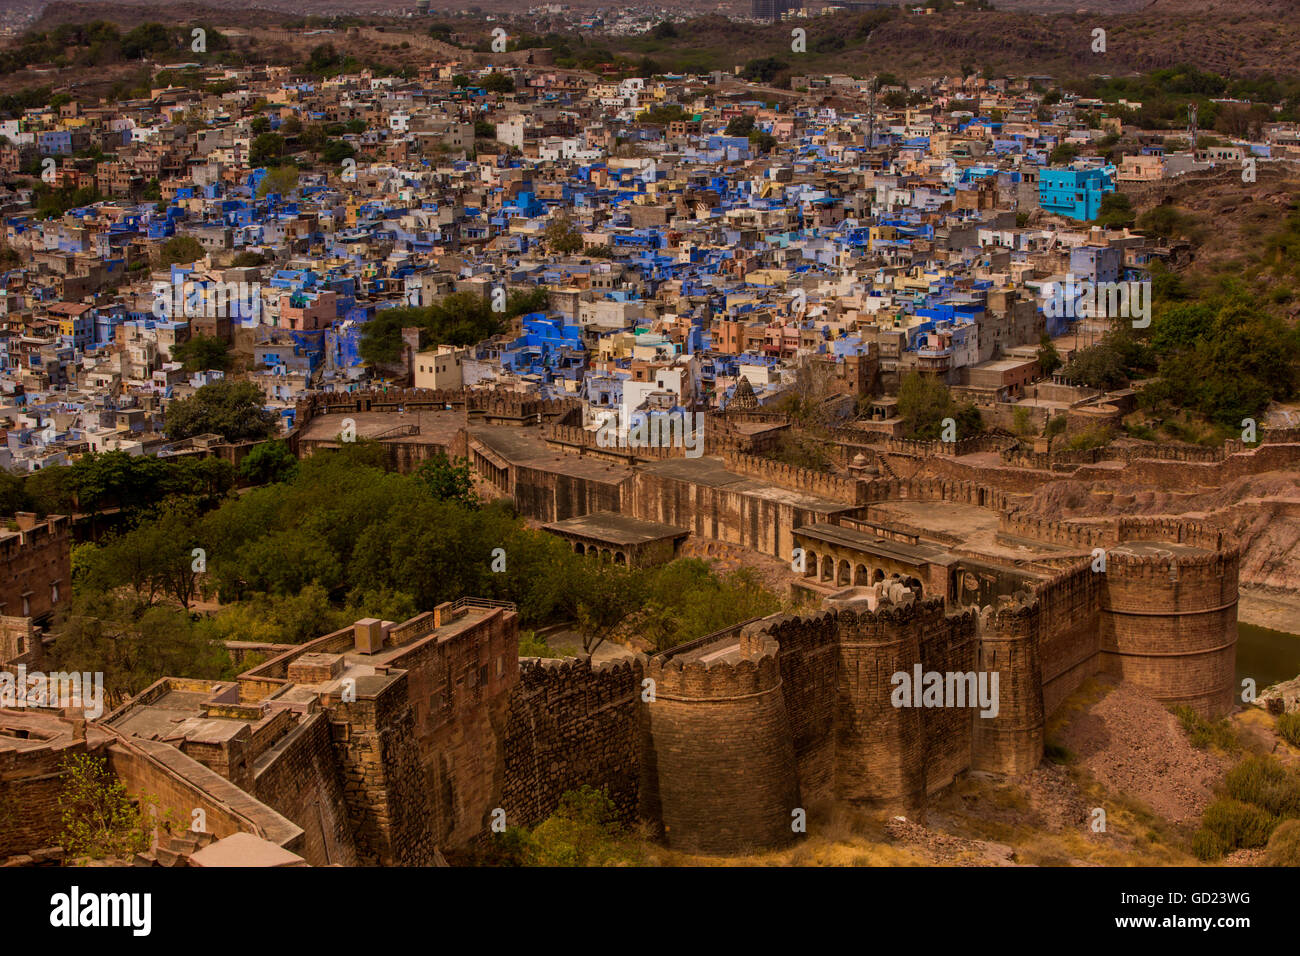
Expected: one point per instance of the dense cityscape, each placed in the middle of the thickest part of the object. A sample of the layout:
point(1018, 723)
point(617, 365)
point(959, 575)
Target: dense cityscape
point(435, 441)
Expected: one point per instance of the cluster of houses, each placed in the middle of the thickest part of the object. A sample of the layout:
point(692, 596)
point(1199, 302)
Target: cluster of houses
point(693, 232)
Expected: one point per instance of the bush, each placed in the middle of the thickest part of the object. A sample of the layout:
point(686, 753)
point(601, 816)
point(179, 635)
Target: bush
point(583, 831)
point(530, 645)
point(1202, 733)
point(1263, 781)
point(1288, 726)
point(1229, 825)
point(1284, 845)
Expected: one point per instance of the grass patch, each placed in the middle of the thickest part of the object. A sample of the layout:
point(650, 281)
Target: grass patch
point(1206, 734)
point(1288, 727)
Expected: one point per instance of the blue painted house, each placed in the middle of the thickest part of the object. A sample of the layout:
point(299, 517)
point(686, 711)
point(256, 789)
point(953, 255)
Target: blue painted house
point(1075, 193)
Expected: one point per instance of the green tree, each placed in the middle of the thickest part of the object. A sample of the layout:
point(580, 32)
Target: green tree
point(562, 236)
point(1116, 211)
point(1097, 366)
point(154, 559)
point(269, 462)
point(684, 600)
point(583, 831)
point(605, 598)
point(99, 818)
point(923, 404)
point(181, 250)
point(447, 480)
point(741, 125)
point(233, 410)
point(247, 259)
point(281, 180)
point(131, 647)
point(763, 69)
point(1049, 360)
point(265, 149)
point(1063, 155)
point(203, 352)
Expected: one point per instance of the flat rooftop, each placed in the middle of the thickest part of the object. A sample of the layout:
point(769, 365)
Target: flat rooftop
point(437, 426)
point(616, 528)
point(527, 447)
point(868, 543)
point(976, 527)
point(713, 473)
point(177, 713)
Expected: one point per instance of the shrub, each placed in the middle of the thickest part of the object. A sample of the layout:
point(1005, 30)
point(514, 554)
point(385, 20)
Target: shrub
point(1284, 845)
point(1288, 726)
point(1229, 825)
point(583, 831)
point(99, 818)
point(1202, 733)
point(530, 645)
point(1263, 781)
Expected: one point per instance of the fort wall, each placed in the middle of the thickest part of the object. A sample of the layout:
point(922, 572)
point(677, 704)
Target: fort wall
point(1169, 625)
point(30, 783)
point(809, 650)
point(300, 778)
point(723, 749)
point(459, 687)
point(386, 791)
point(552, 495)
point(572, 723)
point(805, 480)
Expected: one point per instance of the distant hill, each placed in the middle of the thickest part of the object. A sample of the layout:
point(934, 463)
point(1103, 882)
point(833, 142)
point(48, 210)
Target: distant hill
point(1230, 37)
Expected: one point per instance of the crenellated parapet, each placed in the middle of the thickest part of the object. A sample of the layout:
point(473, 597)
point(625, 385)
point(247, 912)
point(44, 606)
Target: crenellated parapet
point(833, 487)
point(751, 668)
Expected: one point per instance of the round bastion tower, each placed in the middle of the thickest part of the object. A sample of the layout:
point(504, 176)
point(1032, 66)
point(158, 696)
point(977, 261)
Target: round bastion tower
point(1169, 618)
point(723, 746)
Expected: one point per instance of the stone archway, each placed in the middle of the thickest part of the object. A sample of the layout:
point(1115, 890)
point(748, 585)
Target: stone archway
point(843, 574)
point(578, 548)
point(810, 564)
point(861, 575)
point(827, 568)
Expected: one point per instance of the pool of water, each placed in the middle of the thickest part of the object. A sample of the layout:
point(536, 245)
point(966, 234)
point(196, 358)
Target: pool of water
point(1267, 656)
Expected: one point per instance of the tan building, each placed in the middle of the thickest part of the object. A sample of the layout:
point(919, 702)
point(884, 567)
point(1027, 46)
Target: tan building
point(1141, 169)
point(442, 367)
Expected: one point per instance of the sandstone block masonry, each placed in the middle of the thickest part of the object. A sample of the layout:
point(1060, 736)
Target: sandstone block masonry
point(742, 728)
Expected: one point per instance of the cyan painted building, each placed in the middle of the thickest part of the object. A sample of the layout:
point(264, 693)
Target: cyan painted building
point(1075, 193)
